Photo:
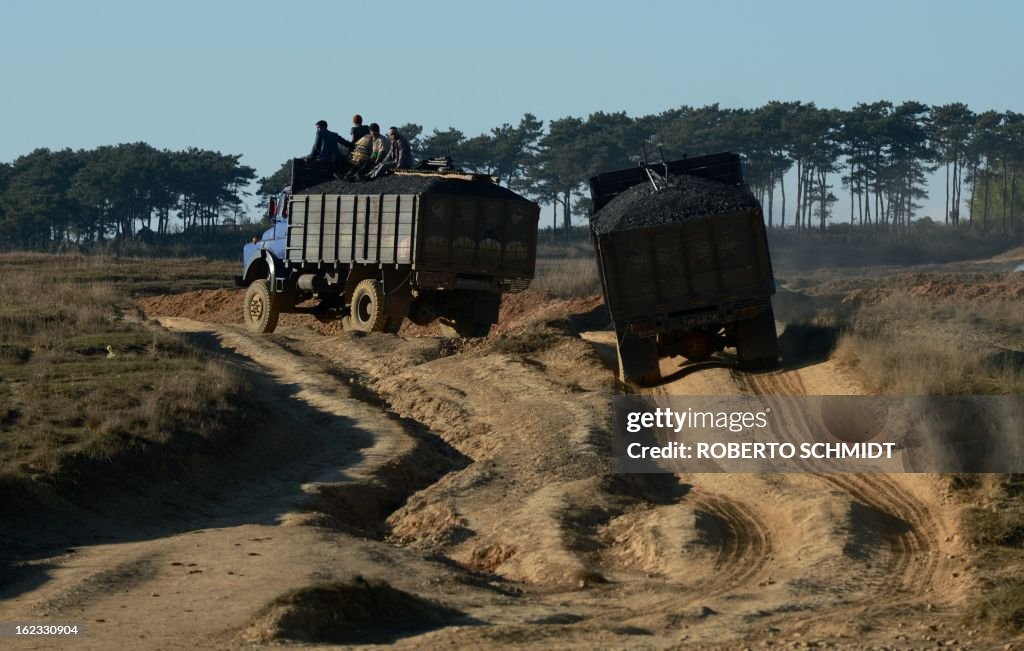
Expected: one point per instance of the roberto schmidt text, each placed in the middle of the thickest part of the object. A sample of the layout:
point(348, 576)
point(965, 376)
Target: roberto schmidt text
point(750, 450)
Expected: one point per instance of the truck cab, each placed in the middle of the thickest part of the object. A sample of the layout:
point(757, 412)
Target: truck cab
point(270, 244)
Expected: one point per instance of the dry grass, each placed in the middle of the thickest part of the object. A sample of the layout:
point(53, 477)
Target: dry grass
point(993, 522)
point(910, 345)
point(1001, 604)
point(568, 277)
point(925, 365)
point(79, 381)
point(1003, 528)
point(127, 276)
point(578, 248)
point(568, 269)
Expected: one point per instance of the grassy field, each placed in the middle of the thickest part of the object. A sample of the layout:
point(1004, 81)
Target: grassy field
point(567, 270)
point(82, 378)
point(994, 527)
point(910, 345)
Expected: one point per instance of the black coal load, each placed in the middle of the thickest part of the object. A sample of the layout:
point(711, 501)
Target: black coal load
point(416, 184)
point(684, 198)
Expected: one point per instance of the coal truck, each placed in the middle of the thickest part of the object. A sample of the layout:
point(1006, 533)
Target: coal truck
point(425, 244)
point(683, 259)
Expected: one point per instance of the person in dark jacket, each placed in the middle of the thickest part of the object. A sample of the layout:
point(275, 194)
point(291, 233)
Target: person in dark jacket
point(358, 128)
point(325, 147)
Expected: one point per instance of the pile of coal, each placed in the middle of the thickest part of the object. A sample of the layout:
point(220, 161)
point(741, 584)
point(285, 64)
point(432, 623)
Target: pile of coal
point(417, 184)
point(684, 198)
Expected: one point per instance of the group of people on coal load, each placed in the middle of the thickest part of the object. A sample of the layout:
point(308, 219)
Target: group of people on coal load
point(367, 155)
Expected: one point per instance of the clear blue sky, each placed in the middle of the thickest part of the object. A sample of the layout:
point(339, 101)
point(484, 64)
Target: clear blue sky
point(251, 77)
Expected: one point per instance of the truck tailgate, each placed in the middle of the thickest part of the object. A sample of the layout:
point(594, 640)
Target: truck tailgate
point(680, 266)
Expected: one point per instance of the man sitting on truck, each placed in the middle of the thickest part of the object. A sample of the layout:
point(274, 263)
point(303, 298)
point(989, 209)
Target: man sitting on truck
point(358, 128)
point(380, 145)
point(398, 157)
point(360, 160)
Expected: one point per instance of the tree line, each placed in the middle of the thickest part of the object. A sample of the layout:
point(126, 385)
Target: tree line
point(50, 199)
point(879, 152)
point(796, 156)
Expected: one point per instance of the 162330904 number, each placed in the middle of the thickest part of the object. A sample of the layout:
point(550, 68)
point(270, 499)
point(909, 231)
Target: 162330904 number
point(16, 630)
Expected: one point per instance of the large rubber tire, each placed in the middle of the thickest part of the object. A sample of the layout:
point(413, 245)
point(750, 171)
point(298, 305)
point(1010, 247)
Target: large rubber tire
point(368, 307)
point(638, 360)
point(697, 346)
point(421, 313)
point(260, 308)
point(757, 345)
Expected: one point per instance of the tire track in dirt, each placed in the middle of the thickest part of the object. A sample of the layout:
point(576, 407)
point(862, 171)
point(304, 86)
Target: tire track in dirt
point(705, 542)
point(909, 526)
point(319, 390)
point(912, 549)
point(891, 512)
point(745, 551)
point(787, 383)
point(891, 552)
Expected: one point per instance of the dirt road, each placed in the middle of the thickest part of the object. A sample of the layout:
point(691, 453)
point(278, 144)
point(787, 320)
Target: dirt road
point(430, 492)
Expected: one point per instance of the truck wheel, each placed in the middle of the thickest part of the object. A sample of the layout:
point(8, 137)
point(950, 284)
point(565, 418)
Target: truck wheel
point(261, 308)
point(368, 307)
point(422, 312)
point(697, 346)
point(757, 346)
point(638, 360)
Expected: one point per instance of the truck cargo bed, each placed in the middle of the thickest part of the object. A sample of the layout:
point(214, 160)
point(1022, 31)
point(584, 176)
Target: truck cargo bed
point(462, 233)
point(665, 271)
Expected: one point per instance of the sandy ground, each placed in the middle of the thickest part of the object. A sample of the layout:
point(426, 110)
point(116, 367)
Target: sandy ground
point(436, 493)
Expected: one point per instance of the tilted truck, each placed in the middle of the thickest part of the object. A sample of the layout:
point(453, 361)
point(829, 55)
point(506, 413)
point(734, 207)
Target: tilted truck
point(426, 244)
point(683, 258)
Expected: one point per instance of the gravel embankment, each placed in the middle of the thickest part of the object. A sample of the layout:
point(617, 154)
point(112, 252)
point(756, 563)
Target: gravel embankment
point(688, 197)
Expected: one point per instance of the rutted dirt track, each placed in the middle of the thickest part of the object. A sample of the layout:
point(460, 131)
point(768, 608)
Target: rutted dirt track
point(464, 488)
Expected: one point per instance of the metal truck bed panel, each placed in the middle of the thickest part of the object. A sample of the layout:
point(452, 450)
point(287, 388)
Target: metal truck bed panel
point(341, 229)
point(466, 235)
point(681, 266)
